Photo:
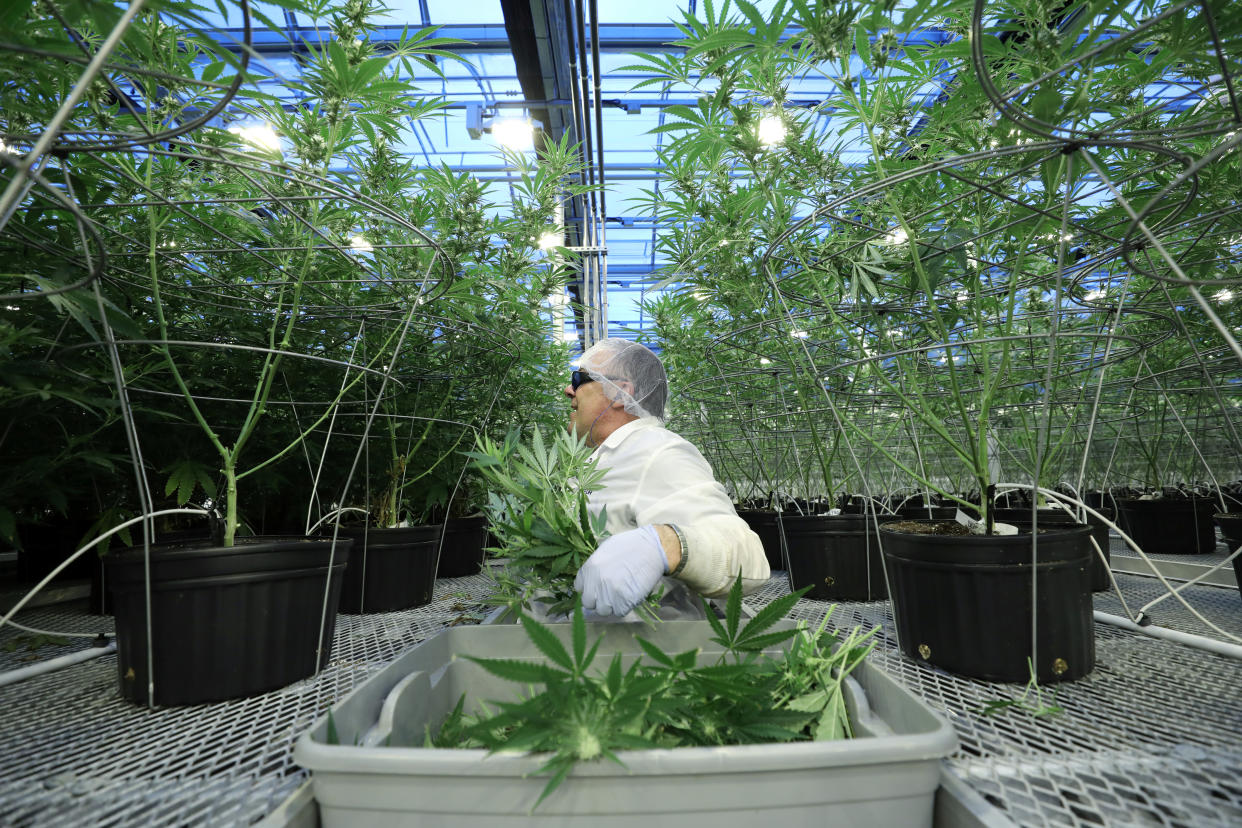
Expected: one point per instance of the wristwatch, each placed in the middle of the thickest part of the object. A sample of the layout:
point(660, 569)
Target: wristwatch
point(685, 550)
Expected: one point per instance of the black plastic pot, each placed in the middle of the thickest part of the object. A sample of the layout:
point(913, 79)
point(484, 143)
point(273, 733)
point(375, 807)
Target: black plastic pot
point(1056, 517)
point(390, 569)
point(921, 512)
point(963, 603)
point(763, 524)
point(838, 556)
point(462, 553)
point(1230, 524)
point(227, 622)
point(100, 600)
point(1170, 526)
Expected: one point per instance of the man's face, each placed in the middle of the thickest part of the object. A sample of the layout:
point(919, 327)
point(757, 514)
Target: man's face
point(585, 406)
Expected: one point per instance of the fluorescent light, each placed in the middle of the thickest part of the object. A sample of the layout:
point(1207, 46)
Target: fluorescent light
point(551, 239)
point(259, 136)
point(514, 133)
point(772, 130)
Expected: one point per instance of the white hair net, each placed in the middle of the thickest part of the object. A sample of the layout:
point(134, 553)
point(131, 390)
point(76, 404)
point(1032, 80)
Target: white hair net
point(629, 372)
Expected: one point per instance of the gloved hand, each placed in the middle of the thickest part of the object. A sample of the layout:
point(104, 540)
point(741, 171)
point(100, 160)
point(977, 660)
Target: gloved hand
point(622, 572)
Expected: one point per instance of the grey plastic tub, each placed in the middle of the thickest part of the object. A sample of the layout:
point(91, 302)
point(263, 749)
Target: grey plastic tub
point(377, 776)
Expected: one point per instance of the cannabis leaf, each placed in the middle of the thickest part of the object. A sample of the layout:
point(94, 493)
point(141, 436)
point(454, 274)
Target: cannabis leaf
point(746, 696)
point(184, 476)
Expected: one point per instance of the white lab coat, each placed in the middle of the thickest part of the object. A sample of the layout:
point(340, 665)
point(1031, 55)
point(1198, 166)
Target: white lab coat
point(655, 476)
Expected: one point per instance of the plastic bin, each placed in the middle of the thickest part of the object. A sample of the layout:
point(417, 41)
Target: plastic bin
point(376, 776)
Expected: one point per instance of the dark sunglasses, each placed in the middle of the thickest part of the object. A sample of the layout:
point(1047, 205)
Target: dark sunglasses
point(578, 377)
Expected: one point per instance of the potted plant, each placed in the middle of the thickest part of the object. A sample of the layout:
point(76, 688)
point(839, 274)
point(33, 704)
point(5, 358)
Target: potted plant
point(235, 306)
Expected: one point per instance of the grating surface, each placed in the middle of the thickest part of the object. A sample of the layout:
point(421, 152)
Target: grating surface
point(73, 753)
point(1118, 548)
point(1152, 737)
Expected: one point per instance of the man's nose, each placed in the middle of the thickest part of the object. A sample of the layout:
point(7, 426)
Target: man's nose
point(569, 391)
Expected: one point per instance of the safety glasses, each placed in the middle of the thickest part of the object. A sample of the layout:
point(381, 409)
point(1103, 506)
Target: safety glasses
point(578, 377)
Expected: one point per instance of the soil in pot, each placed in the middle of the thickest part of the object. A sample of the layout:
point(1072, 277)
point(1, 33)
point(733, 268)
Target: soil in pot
point(226, 621)
point(763, 523)
point(390, 569)
point(463, 550)
point(1170, 526)
point(838, 556)
point(962, 602)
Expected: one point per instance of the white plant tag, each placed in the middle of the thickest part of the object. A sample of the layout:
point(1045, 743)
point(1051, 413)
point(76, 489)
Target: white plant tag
point(834, 512)
point(975, 527)
point(1004, 529)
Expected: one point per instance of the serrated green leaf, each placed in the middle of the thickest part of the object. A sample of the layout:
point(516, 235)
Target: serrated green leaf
point(547, 642)
point(812, 702)
point(653, 652)
point(526, 672)
point(769, 615)
point(758, 643)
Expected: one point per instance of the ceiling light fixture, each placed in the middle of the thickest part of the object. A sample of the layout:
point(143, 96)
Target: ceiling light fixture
point(259, 136)
point(514, 133)
point(772, 130)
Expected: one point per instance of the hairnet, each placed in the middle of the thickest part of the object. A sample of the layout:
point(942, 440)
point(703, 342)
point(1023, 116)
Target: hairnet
point(629, 372)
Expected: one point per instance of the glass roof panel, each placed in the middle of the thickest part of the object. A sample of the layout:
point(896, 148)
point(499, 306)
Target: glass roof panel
point(640, 11)
point(400, 12)
point(231, 17)
point(444, 12)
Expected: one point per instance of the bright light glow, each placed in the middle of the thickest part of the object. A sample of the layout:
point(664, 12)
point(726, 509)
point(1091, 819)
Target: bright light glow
point(772, 130)
point(5, 148)
point(259, 136)
point(558, 300)
point(11, 307)
point(360, 245)
point(764, 361)
point(1094, 295)
point(1224, 295)
point(700, 296)
point(896, 236)
point(551, 239)
point(514, 133)
point(800, 334)
point(569, 336)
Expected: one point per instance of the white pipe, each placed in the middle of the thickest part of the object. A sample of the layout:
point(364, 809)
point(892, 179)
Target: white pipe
point(90, 545)
point(1189, 639)
point(58, 663)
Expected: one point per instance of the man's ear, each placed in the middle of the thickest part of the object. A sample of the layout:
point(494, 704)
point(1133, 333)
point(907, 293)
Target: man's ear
point(627, 387)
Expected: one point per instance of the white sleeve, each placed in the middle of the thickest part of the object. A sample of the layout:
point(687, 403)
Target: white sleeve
point(677, 487)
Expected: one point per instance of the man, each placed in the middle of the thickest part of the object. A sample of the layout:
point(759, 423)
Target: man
point(667, 515)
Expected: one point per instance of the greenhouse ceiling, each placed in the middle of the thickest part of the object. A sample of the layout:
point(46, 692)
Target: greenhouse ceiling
point(576, 70)
point(536, 59)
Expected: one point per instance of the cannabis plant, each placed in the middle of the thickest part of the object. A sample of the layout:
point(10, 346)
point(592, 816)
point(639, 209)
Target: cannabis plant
point(539, 514)
point(769, 684)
